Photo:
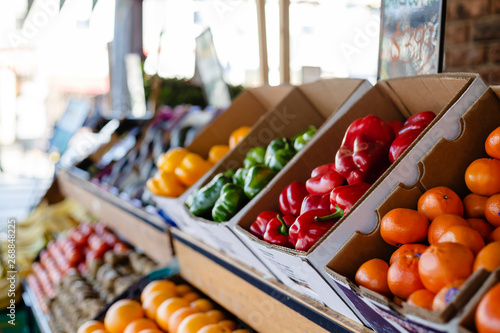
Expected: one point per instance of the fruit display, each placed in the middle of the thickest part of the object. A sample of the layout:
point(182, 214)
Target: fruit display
point(179, 168)
point(165, 306)
point(77, 276)
point(225, 195)
point(441, 242)
point(310, 210)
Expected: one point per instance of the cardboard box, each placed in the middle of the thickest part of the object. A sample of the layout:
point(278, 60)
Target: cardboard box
point(311, 104)
point(245, 110)
point(466, 320)
point(444, 165)
point(449, 95)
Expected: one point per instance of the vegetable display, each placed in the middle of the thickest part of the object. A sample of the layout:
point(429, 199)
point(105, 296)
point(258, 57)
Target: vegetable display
point(368, 148)
point(179, 168)
point(228, 192)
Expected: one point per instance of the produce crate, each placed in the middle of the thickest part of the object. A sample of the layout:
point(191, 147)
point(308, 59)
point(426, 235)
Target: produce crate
point(317, 104)
point(448, 95)
point(466, 322)
point(146, 232)
point(264, 304)
point(443, 165)
point(245, 110)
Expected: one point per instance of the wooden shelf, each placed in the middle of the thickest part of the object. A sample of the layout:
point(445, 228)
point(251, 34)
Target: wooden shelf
point(264, 304)
point(146, 232)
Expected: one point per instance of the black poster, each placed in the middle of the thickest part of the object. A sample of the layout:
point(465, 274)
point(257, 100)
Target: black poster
point(411, 37)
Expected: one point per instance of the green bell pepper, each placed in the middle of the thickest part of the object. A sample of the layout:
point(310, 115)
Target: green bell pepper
point(278, 153)
point(231, 200)
point(255, 156)
point(301, 139)
point(257, 178)
point(205, 198)
point(239, 176)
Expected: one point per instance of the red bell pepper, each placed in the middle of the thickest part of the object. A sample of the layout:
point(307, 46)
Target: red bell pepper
point(396, 125)
point(291, 198)
point(418, 121)
point(410, 131)
point(323, 179)
point(363, 156)
point(258, 228)
point(309, 227)
point(346, 196)
point(313, 201)
point(277, 230)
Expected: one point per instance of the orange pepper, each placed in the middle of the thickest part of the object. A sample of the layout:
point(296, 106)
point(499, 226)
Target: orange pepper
point(171, 159)
point(238, 135)
point(165, 184)
point(192, 168)
point(217, 152)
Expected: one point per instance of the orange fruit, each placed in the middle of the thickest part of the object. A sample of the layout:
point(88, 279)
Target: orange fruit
point(403, 226)
point(167, 308)
point(151, 330)
point(194, 322)
point(422, 298)
point(408, 250)
point(154, 300)
point(465, 236)
point(441, 224)
point(483, 176)
point(440, 200)
point(158, 285)
point(492, 143)
point(474, 205)
point(183, 289)
point(446, 295)
point(121, 314)
point(443, 263)
point(229, 324)
point(403, 278)
point(238, 135)
point(215, 328)
point(139, 325)
point(495, 235)
point(202, 305)
point(492, 210)
point(177, 317)
point(488, 311)
point(91, 326)
point(241, 330)
point(488, 258)
point(484, 228)
point(216, 315)
point(373, 275)
point(191, 296)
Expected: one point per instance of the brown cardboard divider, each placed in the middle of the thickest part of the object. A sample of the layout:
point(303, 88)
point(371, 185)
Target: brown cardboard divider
point(467, 318)
point(444, 165)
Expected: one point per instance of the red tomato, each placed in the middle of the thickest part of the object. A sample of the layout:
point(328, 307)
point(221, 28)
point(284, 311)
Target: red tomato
point(120, 247)
point(74, 257)
point(100, 228)
point(79, 238)
point(86, 229)
point(109, 238)
point(97, 244)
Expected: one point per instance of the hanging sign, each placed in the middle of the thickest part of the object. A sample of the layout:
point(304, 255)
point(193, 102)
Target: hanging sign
point(411, 37)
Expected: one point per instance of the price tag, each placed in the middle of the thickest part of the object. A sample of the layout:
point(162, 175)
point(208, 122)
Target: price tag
point(411, 37)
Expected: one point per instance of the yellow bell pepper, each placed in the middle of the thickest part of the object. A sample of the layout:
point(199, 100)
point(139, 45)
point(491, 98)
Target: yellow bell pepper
point(238, 135)
point(165, 184)
point(192, 167)
point(171, 159)
point(217, 152)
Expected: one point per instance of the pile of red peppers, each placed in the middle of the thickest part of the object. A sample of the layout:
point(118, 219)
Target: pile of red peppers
point(308, 211)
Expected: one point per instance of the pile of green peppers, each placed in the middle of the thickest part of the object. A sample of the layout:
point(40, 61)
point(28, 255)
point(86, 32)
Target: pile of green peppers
point(225, 195)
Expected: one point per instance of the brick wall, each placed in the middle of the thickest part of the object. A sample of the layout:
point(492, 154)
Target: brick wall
point(472, 38)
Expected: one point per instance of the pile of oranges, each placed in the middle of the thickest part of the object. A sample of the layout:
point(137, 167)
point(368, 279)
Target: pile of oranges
point(166, 307)
point(443, 242)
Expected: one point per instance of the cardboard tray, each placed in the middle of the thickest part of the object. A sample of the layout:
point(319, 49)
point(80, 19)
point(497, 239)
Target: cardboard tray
point(466, 320)
point(265, 304)
point(310, 104)
point(449, 95)
point(444, 165)
point(245, 110)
